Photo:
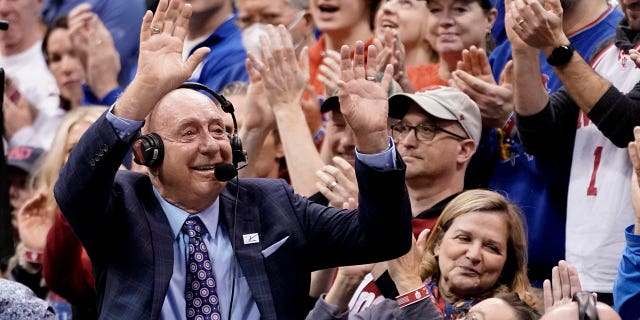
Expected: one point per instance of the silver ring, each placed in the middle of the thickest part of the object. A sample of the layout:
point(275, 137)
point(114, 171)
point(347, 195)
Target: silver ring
point(370, 78)
point(332, 185)
point(155, 30)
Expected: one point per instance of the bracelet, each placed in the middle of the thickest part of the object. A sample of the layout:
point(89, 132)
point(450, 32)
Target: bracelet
point(33, 256)
point(412, 297)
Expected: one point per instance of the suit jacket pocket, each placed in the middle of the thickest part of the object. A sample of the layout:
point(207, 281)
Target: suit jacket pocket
point(274, 247)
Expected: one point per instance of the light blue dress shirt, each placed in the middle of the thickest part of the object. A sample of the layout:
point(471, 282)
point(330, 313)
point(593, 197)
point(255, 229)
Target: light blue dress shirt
point(222, 258)
point(217, 241)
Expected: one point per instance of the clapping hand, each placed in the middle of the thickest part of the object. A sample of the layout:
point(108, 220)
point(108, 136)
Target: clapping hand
point(538, 24)
point(405, 270)
point(474, 77)
point(391, 51)
point(338, 183)
point(329, 72)
point(284, 79)
point(100, 57)
point(35, 218)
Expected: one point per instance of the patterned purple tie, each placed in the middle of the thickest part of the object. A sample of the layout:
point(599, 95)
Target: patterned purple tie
point(200, 288)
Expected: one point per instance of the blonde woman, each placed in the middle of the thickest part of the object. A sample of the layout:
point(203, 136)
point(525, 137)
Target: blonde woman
point(476, 250)
point(65, 266)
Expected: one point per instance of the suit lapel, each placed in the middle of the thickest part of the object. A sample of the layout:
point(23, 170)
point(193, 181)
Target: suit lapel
point(249, 255)
point(162, 246)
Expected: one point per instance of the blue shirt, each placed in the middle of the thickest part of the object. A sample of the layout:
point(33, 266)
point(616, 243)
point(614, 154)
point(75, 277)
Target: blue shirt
point(626, 290)
point(225, 63)
point(121, 17)
point(217, 241)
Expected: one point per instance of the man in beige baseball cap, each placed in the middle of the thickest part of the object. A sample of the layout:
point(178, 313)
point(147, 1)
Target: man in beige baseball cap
point(436, 132)
point(443, 103)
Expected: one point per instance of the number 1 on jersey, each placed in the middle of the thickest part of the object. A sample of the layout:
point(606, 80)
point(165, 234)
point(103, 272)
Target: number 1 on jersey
point(597, 154)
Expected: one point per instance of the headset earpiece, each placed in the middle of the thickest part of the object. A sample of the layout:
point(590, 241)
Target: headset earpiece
point(239, 155)
point(148, 150)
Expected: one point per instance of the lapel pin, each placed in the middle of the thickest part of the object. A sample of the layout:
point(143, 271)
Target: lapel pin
point(250, 238)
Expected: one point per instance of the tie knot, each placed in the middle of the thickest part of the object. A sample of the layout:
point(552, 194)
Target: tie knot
point(194, 227)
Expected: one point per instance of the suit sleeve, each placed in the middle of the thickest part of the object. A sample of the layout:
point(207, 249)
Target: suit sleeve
point(380, 229)
point(84, 190)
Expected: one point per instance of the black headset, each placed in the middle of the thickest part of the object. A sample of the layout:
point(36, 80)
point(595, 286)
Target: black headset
point(148, 149)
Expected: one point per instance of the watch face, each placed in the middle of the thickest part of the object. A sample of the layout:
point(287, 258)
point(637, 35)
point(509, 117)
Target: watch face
point(561, 55)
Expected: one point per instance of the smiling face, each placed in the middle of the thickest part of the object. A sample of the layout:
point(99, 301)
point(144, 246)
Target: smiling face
point(65, 65)
point(403, 16)
point(472, 253)
point(454, 25)
point(339, 15)
point(193, 132)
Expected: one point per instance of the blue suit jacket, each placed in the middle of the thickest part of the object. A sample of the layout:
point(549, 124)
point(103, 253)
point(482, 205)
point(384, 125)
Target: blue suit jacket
point(127, 235)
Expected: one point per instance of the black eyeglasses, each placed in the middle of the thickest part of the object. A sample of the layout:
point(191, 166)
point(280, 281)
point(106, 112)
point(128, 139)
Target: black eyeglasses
point(422, 132)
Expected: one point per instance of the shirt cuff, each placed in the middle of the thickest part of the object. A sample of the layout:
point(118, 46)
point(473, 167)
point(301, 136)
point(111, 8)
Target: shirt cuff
point(384, 161)
point(125, 128)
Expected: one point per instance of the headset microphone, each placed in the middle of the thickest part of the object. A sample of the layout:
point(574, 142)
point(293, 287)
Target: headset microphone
point(224, 171)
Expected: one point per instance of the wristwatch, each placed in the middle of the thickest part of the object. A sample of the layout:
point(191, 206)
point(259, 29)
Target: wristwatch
point(561, 55)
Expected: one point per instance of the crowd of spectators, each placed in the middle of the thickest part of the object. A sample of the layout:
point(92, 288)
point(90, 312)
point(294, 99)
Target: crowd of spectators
point(515, 123)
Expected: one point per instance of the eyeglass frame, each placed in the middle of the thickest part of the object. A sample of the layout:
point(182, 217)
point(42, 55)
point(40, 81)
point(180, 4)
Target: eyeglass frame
point(435, 129)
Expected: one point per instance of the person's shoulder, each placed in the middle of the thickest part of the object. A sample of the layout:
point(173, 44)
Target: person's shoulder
point(135, 180)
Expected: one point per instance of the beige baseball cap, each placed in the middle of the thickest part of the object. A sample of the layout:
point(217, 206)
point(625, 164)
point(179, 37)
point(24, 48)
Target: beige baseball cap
point(443, 103)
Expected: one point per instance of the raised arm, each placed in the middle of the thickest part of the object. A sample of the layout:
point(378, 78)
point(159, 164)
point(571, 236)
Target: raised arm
point(84, 190)
point(160, 65)
point(285, 81)
point(529, 94)
point(541, 27)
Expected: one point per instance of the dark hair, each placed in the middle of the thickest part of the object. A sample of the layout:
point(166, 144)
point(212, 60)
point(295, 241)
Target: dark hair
point(373, 8)
point(522, 310)
point(61, 22)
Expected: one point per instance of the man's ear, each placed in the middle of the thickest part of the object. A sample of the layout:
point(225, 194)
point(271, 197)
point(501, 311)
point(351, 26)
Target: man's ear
point(466, 150)
point(492, 15)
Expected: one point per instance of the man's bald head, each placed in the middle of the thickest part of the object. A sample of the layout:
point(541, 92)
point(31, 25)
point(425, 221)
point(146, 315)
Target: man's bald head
point(173, 104)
